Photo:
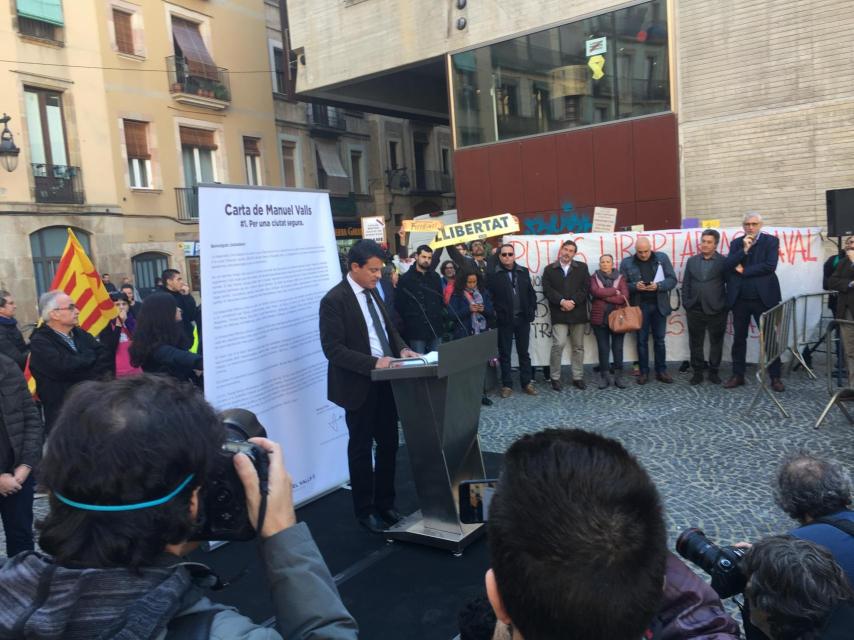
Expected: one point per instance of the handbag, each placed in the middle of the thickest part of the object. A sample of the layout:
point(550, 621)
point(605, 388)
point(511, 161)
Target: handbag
point(625, 319)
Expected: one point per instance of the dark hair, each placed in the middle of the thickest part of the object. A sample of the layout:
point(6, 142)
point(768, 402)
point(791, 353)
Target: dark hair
point(575, 516)
point(506, 244)
point(474, 242)
point(476, 620)
point(713, 233)
point(463, 275)
point(796, 583)
point(169, 274)
point(363, 251)
point(122, 442)
point(569, 242)
point(607, 255)
point(155, 327)
point(115, 296)
point(105, 274)
point(445, 264)
point(423, 247)
point(809, 486)
point(126, 285)
point(4, 297)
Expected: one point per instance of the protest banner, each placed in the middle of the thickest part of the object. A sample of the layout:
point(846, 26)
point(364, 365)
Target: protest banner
point(267, 258)
point(799, 271)
point(479, 229)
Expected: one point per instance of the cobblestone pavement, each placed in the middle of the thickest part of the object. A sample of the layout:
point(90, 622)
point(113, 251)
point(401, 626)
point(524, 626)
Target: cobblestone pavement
point(712, 459)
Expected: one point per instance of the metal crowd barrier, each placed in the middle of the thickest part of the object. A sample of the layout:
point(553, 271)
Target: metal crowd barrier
point(778, 333)
point(841, 395)
point(808, 343)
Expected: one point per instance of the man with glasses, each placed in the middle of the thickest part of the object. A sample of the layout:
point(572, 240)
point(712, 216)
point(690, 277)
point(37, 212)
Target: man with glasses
point(63, 354)
point(752, 289)
point(515, 305)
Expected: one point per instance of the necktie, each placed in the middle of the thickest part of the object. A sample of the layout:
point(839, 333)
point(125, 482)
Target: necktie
point(378, 325)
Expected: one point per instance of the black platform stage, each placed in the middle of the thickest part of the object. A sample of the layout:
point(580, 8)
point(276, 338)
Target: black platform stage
point(394, 590)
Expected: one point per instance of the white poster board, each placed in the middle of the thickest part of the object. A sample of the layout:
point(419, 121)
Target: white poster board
point(373, 228)
point(799, 270)
point(604, 220)
point(267, 258)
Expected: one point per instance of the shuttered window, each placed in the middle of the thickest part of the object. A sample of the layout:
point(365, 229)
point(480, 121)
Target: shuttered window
point(136, 139)
point(250, 147)
point(201, 138)
point(193, 49)
point(41, 10)
point(124, 31)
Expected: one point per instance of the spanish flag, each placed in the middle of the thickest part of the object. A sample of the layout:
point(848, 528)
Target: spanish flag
point(77, 277)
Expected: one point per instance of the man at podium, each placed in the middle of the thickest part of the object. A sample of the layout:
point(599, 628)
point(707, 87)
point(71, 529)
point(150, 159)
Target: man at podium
point(357, 336)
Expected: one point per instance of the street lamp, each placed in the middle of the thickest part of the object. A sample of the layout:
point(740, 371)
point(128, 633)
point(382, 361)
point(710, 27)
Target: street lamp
point(8, 151)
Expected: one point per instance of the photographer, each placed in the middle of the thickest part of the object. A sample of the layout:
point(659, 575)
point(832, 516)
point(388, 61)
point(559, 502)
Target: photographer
point(817, 493)
point(796, 591)
point(127, 467)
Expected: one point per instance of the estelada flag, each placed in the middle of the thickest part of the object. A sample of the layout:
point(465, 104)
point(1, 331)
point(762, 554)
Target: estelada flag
point(77, 277)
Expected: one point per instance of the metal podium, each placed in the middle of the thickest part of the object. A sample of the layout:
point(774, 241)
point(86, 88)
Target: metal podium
point(439, 408)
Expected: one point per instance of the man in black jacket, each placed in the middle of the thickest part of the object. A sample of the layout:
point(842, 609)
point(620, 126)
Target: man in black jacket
point(704, 299)
point(418, 299)
point(566, 284)
point(12, 343)
point(172, 283)
point(357, 335)
point(21, 436)
point(63, 354)
point(515, 306)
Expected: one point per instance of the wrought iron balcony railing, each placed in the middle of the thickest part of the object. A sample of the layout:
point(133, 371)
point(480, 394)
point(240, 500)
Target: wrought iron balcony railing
point(59, 184)
point(212, 86)
point(187, 199)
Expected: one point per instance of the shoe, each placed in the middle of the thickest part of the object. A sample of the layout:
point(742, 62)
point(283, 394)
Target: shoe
point(372, 523)
point(390, 516)
point(579, 384)
point(529, 389)
point(735, 381)
point(619, 381)
point(505, 392)
point(697, 378)
point(777, 385)
point(486, 402)
point(664, 377)
point(714, 378)
point(642, 378)
point(603, 381)
point(556, 385)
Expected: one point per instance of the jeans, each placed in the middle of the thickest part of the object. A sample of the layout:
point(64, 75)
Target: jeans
point(742, 312)
point(606, 342)
point(699, 323)
point(656, 323)
point(521, 331)
point(561, 334)
point(17, 514)
point(425, 346)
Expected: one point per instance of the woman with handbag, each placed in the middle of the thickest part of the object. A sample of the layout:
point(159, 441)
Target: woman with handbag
point(610, 293)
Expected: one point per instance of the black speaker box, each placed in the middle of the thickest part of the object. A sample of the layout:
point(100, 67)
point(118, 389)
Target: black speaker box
point(840, 212)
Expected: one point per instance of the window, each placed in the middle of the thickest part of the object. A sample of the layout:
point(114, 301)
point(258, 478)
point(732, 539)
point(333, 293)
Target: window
point(279, 70)
point(190, 49)
point(356, 171)
point(197, 155)
point(289, 162)
point(40, 19)
point(123, 31)
point(46, 128)
point(138, 154)
point(147, 267)
point(392, 154)
point(252, 159)
point(546, 81)
point(47, 245)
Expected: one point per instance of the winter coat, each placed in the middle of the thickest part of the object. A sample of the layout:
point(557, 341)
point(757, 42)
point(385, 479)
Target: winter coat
point(460, 303)
point(187, 304)
point(603, 296)
point(21, 418)
point(842, 276)
point(57, 368)
point(575, 286)
point(419, 300)
point(12, 343)
point(501, 288)
point(629, 268)
point(178, 363)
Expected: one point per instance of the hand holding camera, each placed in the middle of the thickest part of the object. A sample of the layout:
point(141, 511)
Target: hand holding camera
point(280, 500)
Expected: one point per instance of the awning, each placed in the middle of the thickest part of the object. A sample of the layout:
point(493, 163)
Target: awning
point(193, 49)
point(338, 182)
point(42, 10)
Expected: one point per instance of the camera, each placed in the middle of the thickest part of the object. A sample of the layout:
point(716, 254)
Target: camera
point(721, 563)
point(224, 512)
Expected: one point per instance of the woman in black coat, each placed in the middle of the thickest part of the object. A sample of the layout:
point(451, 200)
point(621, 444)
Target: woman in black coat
point(159, 343)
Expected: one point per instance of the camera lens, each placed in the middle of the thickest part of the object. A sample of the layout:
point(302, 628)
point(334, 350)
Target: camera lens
point(694, 546)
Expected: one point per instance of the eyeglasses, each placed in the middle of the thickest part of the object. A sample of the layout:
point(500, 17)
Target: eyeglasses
point(506, 255)
point(70, 307)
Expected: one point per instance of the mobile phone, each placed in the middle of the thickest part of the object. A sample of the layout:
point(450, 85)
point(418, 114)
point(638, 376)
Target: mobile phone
point(475, 496)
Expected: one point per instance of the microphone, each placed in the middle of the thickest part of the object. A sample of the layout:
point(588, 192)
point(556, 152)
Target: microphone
point(421, 307)
point(448, 306)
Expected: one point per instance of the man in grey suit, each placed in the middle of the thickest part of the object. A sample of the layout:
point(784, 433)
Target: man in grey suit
point(704, 298)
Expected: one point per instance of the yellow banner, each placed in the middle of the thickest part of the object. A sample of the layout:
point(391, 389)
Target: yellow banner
point(422, 225)
point(475, 230)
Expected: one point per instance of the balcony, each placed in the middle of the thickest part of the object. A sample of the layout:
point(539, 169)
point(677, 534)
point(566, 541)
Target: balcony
point(431, 183)
point(196, 90)
point(187, 199)
point(325, 121)
point(58, 184)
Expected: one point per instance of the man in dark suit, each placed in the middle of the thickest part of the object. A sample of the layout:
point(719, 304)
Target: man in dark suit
point(704, 298)
point(357, 336)
point(752, 289)
point(515, 305)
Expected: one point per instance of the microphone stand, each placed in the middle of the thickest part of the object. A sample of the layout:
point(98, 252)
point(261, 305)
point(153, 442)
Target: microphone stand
point(448, 306)
point(423, 311)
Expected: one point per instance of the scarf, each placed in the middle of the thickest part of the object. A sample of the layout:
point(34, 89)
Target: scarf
point(478, 321)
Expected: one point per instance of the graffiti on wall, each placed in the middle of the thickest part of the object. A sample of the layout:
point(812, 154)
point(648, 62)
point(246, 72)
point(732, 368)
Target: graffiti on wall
point(566, 221)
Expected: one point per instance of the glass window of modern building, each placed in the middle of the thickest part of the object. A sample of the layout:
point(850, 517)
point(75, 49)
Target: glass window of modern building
point(600, 69)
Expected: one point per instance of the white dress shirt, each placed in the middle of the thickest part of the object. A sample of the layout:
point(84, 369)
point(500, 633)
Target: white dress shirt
point(373, 338)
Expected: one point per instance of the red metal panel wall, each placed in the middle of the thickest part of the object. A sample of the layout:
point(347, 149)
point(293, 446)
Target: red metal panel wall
point(553, 182)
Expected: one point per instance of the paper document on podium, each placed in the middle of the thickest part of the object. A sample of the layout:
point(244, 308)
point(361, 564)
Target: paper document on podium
point(427, 358)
